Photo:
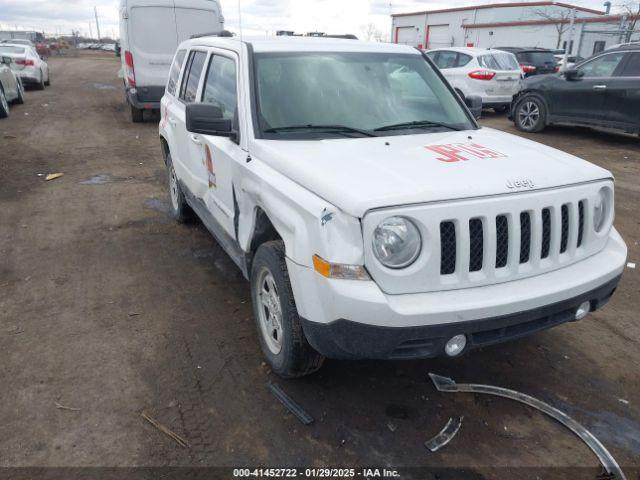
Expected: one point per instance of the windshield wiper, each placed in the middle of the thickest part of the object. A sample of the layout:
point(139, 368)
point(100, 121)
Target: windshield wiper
point(416, 124)
point(334, 128)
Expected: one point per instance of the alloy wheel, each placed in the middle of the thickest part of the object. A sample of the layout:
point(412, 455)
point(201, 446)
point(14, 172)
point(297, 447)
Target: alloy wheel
point(269, 311)
point(528, 115)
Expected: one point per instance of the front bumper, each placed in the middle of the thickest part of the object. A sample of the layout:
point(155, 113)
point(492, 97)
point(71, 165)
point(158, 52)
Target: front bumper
point(355, 319)
point(344, 339)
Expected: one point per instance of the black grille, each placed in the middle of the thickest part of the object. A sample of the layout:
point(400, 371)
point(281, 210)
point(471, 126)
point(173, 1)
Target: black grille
point(476, 245)
point(502, 241)
point(564, 239)
point(546, 233)
point(525, 237)
point(447, 248)
point(580, 222)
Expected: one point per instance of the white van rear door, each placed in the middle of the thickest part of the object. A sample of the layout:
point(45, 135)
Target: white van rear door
point(193, 19)
point(152, 41)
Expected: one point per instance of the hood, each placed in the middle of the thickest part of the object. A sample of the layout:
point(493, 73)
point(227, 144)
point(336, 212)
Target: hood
point(357, 175)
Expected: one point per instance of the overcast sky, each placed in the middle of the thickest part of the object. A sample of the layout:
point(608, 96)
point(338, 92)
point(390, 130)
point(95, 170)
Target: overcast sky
point(258, 16)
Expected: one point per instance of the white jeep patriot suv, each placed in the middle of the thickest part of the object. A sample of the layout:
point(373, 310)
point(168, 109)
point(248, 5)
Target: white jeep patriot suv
point(372, 215)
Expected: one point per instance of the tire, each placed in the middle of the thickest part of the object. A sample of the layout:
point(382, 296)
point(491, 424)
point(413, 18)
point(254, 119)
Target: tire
point(282, 339)
point(41, 84)
point(137, 115)
point(20, 99)
point(530, 114)
point(4, 105)
point(48, 82)
point(178, 206)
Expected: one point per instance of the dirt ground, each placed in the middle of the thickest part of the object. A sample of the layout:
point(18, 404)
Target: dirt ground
point(109, 309)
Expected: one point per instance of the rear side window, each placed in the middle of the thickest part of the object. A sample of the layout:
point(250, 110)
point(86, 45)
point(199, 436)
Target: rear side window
point(191, 78)
point(446, 59)
point(498, 61)
point(220, 85)
point(463, 59)
point(632, 69)
point(175, 71)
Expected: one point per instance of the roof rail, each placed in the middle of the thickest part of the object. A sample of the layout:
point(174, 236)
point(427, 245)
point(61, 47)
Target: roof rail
point(223, 33)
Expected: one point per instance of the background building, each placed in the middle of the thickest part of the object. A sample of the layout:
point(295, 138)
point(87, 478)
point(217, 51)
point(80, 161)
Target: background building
point(530, 24)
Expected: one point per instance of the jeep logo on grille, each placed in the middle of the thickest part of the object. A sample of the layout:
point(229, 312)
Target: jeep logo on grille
point(520, 184)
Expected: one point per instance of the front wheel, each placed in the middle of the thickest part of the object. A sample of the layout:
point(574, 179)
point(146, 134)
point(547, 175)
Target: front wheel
point(281, 336)
point(179, 208)
point(4, 105)
point(530, 114)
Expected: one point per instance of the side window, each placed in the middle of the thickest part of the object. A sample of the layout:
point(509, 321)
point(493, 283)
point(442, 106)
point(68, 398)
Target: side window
point(175, 71)
point(446, 60)
point(191, 79)
point(463, 59)
point(603, 66)
point(632, 68)
point(220, 85)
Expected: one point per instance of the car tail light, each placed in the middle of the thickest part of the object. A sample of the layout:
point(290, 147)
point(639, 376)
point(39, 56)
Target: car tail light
point(482, 74)
point(26, 62)
point(130, 72)
point(556, 70)
point(528, 68)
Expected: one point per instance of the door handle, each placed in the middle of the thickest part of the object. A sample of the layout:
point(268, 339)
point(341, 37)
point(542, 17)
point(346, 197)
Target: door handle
point(195, 139)
point(599, 87)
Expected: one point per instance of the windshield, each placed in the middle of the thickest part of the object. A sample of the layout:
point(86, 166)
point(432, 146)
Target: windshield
point(11, 49)
point(355, 91)
point(499, 61)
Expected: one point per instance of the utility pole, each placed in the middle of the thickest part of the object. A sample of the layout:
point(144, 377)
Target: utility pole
point(90, 31)
point(95, 10)
point(565, 58)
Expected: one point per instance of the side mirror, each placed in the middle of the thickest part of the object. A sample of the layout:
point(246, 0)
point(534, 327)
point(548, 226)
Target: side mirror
point(573, 74)
point(207, 119)
point(6, 60)
point(474, 102)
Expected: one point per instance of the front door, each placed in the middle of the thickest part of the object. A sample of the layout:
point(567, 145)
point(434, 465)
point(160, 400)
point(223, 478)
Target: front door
point(220, 154)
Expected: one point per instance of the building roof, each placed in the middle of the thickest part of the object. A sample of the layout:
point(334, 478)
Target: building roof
point(602, 19)
point(503, 5)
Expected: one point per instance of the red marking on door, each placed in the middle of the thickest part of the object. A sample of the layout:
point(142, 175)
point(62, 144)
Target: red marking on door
point(457, 152)
point(210, 171)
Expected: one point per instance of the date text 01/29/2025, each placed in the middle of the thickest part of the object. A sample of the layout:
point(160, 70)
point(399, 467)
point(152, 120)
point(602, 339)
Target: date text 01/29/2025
point(315, 473)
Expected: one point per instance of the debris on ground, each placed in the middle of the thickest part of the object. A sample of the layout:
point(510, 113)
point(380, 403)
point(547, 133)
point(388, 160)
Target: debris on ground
point(446, 434)
point(290, 405)
point(53, 176)
point(391, 426)
point(622, 400)
point(6, 135)
point(631, 265)
point(63, 407)
point(174, 436)
point(444, 384)
point(134, 314)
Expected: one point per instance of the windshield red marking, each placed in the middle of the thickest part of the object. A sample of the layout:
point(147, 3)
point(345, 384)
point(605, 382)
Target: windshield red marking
point(456, 152)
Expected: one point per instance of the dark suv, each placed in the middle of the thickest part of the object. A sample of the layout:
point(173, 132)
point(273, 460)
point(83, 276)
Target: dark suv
point(602, 91)
point(534, 61)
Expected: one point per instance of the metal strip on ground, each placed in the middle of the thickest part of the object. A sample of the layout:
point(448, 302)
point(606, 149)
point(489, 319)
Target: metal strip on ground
point(290, 405)
point(444, 384)
point(446, 434)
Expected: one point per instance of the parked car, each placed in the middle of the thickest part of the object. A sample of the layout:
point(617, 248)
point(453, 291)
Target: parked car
point(534, 61)
point(491, 74)
point(374, 219)
point(149, 34)
point(18, 41)
point(602, 91)
point(27, 64)
point(11, 89)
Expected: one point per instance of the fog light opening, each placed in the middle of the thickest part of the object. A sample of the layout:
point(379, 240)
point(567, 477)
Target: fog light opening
point(583, 310)
point(455, 345)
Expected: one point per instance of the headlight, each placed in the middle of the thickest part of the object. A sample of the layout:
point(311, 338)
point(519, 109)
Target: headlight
point(397, 242)
point(601, 209)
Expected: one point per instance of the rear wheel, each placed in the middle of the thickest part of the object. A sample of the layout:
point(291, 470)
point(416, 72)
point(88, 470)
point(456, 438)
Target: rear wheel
point(281, 336)
point(20, 99)
point(530, 114)
point(48, 82)
point(4, 105)
point(40, 85)
point(136, 114)
point(501, 109)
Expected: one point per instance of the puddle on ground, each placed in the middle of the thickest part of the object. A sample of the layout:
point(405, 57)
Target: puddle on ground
point(102, 86)
point(158, 205)
point(101, 179)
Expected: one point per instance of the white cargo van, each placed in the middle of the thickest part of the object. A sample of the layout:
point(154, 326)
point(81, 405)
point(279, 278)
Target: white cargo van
point(150, 31)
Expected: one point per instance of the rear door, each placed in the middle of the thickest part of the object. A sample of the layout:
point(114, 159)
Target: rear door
point(622, 102)
point(152, 40)
point(583, 99)
point(195, 17)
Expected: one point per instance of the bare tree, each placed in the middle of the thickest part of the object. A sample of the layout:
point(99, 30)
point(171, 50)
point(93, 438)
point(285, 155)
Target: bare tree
point(560, 18)
point(631, 10)
point(371, 32)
